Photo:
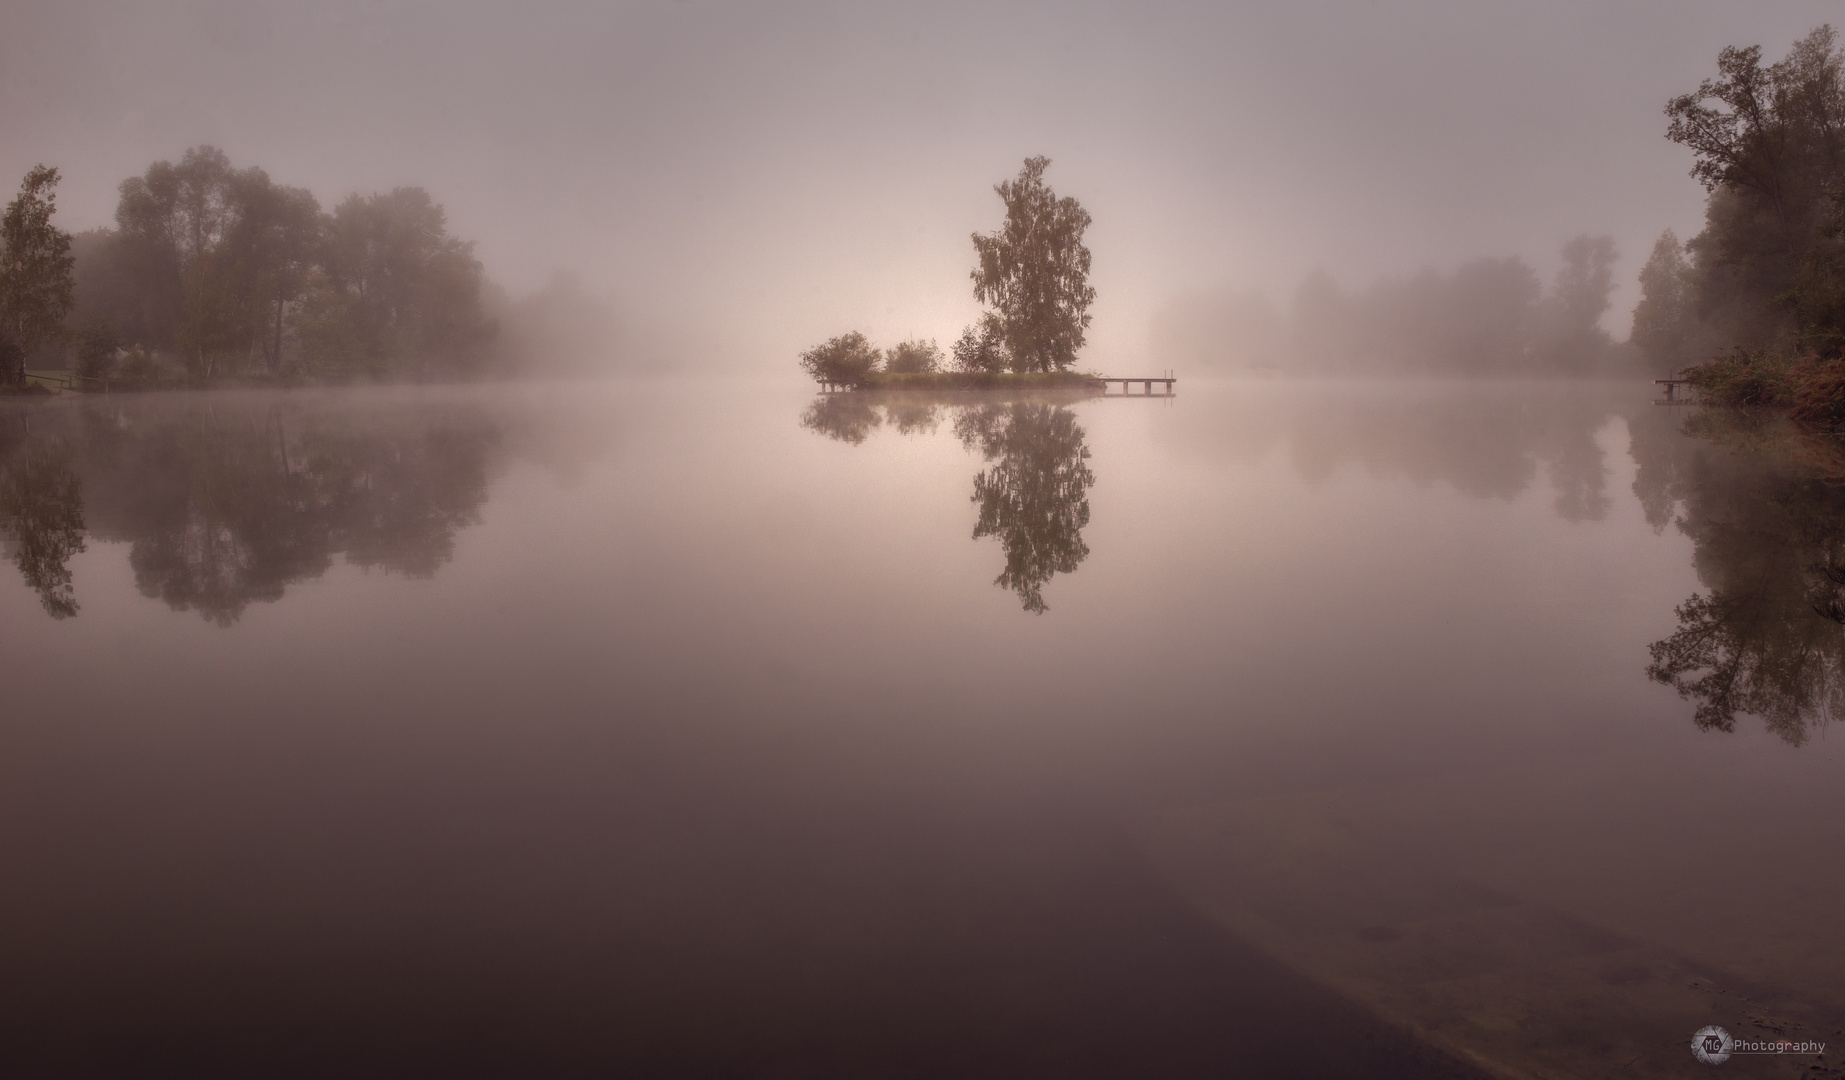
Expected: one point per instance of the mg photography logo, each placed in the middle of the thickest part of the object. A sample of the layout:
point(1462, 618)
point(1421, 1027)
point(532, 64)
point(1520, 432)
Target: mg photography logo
point(1714, 1046)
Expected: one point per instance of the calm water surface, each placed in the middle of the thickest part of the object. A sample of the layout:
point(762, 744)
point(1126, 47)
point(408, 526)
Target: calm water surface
point(713, 729)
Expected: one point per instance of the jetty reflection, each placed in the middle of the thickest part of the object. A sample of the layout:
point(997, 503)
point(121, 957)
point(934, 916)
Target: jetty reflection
point(1032, 497)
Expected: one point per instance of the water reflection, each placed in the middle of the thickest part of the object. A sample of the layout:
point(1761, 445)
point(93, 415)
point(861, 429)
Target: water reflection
point(1033, 497)
point(1489, 441)
point(1764, 505)
point(671, 780)
point(223, 506)
point(914, 417)
point(41, 518)
point(850, 418)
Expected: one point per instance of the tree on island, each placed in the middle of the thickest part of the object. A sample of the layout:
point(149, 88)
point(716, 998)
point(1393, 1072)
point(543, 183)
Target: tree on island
point(982, 348)
point(917, 357)
point(847, 360)
point(1034, 272)
point(35, 272)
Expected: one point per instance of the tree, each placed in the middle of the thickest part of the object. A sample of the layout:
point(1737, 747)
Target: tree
point(270, 249)
point(396, 293)
point(847, 360)
point(982, 347)
point(1585, 281)
point(1484, 317)
point(175, 217)
point(221, 263)
point(913, 357)
point(96, 342)
point(1663, 318)
point(1768, 144)
point(1780, 138)
point(35, 272)
point(177, 222)
point(1035, 271)
point(1571, 337)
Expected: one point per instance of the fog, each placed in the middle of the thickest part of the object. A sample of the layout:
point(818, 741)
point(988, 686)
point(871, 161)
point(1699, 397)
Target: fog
point(738, 181)
point(447, 634)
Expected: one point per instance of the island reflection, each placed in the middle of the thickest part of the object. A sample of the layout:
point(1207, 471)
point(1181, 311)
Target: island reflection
point(226, 504)
point(1032, 497)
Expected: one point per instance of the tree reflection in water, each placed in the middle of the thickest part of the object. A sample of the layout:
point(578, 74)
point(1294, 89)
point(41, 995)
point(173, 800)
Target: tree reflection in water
point(1763, 504)
point(1033, 498)
point(41, 519)
point(850, 417)
point(224, 520)
point(224, 507)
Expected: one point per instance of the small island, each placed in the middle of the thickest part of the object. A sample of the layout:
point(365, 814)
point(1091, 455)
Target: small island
point(1033, 276)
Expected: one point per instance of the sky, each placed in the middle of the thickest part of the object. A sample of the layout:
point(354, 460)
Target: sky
point(752, 178)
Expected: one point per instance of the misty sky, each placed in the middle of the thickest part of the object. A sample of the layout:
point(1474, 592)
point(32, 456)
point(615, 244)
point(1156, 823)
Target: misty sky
point(767, 175)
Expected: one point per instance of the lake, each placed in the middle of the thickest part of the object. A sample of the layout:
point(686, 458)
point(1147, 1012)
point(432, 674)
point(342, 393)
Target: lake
point(715, 729)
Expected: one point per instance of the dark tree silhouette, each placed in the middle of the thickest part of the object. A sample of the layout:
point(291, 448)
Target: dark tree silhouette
point(1768, 142)
point(35, 272)
point(1035, 272)
point(847, 360)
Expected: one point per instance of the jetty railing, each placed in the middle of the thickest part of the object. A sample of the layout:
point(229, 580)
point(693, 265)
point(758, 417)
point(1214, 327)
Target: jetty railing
point(69, 381)
point(1127, 381)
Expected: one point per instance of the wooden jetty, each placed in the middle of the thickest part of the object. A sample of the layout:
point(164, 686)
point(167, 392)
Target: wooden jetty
point(1672, 386)
point(66, 382)
point(1105, 381)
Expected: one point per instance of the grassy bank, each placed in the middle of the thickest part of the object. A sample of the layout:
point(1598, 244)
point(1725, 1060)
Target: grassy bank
point(976, 380)
point(1810, 388)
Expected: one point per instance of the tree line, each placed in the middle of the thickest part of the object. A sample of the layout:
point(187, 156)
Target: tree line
point(1491, 316)
point(1756, 298)
point(212, 270)
point(1763, 282)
